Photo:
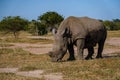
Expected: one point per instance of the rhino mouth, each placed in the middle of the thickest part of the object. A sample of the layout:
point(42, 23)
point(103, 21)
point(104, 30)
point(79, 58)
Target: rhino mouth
point(56, 57)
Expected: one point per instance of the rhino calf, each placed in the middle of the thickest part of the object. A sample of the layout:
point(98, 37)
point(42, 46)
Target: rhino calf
point(82, 32)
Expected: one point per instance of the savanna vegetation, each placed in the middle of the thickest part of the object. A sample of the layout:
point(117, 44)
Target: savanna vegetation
point(45, 23)
point(96, 69)
point(112, 25)
point(107, 68)
point(42, 26)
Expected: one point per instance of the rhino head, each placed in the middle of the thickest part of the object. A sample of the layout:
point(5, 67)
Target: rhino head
point(59, 47)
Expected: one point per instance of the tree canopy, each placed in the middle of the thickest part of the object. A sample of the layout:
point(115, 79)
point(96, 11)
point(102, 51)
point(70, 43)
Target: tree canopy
point(112, 25)
point(46, 22)
point(13, 24)
point(37, 28)
point(51, 19)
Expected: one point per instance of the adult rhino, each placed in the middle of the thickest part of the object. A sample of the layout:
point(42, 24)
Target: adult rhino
point(83, 32)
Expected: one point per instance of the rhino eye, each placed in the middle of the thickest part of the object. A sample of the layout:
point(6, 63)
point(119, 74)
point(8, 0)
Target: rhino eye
point(61, 49)
point(53, 55)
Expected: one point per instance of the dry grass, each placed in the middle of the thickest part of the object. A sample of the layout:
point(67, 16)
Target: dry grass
point(26, 40)
point(5, 45)
point(23, 38)
point(113, 34)
point(12, 76)
point(96, 69)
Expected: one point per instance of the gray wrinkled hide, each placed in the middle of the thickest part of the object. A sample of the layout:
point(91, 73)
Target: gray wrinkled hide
point(83, 32)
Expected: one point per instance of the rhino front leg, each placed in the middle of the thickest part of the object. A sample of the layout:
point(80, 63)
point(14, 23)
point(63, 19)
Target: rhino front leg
point(71, 52)
point(90, 53)
point(80, 47)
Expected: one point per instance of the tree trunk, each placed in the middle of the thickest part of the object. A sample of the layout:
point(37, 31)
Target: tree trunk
point(15, 35)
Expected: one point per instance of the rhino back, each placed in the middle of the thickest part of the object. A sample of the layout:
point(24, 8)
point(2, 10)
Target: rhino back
point(80, 27)
point(96, 31)
point(91, 24)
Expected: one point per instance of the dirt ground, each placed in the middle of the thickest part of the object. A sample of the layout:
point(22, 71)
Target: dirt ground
point(33, 48)
point(40, 48)
point(115, 42)
point(34, 74)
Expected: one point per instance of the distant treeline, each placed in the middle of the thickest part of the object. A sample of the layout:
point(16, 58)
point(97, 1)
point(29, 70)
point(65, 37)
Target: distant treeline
point(112, 25)
point(43, 24)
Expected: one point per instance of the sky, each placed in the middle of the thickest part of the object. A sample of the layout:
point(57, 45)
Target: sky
point(31, 9)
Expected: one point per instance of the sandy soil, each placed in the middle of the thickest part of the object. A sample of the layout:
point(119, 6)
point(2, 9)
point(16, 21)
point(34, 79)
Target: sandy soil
point(38, 48)
point(35, 73)
point(34, 48)
point(115, 42)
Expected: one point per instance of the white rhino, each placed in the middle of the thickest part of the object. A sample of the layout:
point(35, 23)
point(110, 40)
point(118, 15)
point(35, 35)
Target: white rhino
point(83, 32)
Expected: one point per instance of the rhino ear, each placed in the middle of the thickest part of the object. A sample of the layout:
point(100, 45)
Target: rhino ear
point(65, 32)
point(54, 31)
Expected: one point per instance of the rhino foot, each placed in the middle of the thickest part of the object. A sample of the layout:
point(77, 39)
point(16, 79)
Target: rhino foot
point(87, 58)
point(70, 59)
point(99, 57)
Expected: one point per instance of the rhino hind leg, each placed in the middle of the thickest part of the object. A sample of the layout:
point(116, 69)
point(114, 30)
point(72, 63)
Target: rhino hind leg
point(90, 53)
point(100, 49)
point(71, 53)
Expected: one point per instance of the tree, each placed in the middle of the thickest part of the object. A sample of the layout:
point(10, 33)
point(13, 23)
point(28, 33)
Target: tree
point(112, 25)
point(37, 28)
point(117, 23)
point(42, 29)
point(13, 24)
point(51, 19)
point(109, 25)
point(33, 27)
point(116, 20)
